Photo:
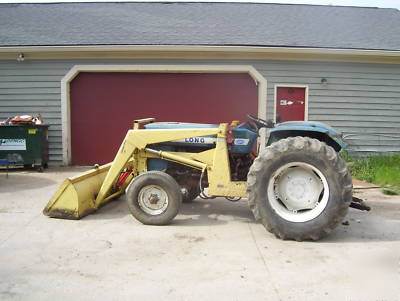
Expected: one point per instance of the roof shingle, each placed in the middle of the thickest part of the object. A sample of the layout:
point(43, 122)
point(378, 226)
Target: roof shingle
point(213, 24)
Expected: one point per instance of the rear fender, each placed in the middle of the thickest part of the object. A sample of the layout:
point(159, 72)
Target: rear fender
point(315, 130)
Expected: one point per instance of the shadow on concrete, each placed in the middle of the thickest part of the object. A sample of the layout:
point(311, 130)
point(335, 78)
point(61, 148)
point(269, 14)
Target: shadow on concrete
point(113, 210)
point(217, 206)
point(17, 181)
point(365, 227)
point(212, 212)
point(197, 213)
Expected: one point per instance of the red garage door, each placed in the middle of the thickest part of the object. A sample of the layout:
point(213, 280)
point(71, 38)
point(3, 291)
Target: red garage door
point(104, 105)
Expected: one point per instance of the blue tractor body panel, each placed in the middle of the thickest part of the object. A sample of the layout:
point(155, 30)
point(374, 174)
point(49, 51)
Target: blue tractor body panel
point(243, 143)
point(308, 127)
point(244, 139)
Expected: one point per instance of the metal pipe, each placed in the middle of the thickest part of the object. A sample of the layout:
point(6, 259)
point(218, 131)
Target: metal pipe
point(177, 158)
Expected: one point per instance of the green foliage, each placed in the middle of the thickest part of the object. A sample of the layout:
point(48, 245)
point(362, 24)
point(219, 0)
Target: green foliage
point(390, 191)
point(382, 170)
point(345, 156)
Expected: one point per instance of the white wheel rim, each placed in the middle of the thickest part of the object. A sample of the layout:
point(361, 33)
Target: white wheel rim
point(298, 192)
point(153, 199)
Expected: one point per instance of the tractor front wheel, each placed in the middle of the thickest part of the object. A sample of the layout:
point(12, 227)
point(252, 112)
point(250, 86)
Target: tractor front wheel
point(154, 198)
point(299, 188)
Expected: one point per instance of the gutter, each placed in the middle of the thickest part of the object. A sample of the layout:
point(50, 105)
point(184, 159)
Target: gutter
point(175, 48)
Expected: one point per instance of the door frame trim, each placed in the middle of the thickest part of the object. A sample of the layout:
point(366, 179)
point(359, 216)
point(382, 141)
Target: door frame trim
point(260, 81)
point(276, 86)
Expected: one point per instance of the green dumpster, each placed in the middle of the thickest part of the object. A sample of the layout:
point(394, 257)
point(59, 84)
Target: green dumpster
point(25, 145)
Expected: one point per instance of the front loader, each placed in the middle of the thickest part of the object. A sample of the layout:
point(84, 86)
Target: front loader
point(298, 186)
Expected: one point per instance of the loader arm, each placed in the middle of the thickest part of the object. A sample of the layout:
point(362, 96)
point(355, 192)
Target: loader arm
point(80, 195)
point(136, 141)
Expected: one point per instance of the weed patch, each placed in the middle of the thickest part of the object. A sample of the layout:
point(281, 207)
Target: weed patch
point(382, 170)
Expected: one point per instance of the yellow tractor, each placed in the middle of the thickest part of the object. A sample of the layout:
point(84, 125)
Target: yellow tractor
point(297, 186)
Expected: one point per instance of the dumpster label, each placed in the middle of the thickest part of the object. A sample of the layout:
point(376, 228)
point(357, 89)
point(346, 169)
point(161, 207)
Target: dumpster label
point(12, 144)
point(32, 131)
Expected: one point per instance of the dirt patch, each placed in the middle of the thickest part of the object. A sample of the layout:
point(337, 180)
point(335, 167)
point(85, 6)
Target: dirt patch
point(358, 184)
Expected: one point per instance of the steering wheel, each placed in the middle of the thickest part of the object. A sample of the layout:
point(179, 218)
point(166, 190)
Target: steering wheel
point(261, 123)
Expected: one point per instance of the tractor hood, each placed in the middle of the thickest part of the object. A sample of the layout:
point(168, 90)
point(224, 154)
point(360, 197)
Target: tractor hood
point(310, 126)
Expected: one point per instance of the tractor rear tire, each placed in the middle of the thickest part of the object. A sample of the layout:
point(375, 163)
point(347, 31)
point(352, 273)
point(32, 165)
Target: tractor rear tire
point(299, 188)
point(154, 198)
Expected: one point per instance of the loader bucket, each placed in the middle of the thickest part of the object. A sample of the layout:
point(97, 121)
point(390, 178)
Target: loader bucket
point(76, 196)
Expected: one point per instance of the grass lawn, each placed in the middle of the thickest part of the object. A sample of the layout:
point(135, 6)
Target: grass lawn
point(382, 170)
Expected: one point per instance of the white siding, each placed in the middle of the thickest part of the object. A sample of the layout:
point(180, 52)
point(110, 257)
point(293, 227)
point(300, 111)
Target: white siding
point(362, 100)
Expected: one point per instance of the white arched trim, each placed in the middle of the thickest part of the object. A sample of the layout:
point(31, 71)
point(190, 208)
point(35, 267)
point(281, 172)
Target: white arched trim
point(65, 89)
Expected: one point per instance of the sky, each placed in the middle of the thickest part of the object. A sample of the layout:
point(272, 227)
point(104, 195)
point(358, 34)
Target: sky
point(364, 3)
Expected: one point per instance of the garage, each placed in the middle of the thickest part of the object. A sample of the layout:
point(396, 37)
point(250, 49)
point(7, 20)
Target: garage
point(103, 105)
point(350, 82)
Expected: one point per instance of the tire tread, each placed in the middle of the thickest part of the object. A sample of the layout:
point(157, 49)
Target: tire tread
point(305, 144)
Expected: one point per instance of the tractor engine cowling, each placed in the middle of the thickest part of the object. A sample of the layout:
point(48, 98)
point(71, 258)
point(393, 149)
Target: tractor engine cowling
point(243, 141)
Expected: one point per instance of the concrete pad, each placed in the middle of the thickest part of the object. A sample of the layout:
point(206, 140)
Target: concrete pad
point(213, 250)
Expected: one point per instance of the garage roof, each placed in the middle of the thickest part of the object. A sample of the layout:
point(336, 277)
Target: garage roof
point(210, 24)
